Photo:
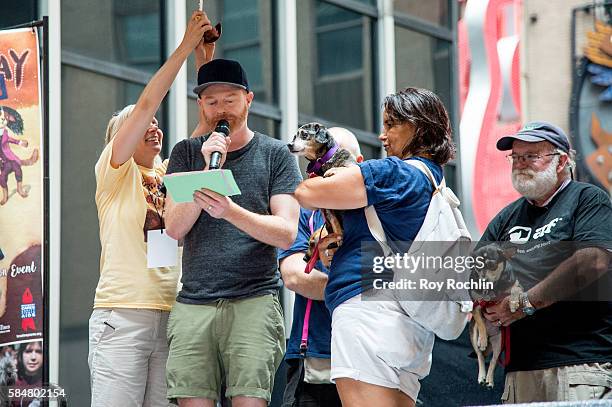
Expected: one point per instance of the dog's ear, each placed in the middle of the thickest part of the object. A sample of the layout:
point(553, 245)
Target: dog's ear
point(322, 136)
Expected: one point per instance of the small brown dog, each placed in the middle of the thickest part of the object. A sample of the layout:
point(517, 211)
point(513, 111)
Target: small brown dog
point(485, 336)
point(314, 142)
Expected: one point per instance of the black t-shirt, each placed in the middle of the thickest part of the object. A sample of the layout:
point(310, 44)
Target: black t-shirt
point(567, 332)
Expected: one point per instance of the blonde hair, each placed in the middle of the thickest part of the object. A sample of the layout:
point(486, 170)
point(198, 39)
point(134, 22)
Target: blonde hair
point(116, 121)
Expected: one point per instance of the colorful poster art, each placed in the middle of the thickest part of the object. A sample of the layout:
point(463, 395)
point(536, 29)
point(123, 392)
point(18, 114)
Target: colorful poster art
point(21, 189)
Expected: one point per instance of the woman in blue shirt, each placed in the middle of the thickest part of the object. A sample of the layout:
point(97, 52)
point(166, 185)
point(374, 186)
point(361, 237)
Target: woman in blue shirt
point(378, 352)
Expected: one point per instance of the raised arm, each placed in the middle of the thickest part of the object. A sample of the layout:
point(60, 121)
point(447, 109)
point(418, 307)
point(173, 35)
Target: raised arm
point(204, 53)
point(128, 136)
point(201, 128)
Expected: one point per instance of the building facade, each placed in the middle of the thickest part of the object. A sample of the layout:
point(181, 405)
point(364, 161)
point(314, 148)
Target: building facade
point(331, 61)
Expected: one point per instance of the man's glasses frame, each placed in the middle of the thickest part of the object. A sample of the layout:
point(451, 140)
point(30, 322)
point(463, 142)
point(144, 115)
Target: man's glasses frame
point(528, 158)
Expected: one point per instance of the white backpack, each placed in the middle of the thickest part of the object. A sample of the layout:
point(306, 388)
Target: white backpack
point(443, 223)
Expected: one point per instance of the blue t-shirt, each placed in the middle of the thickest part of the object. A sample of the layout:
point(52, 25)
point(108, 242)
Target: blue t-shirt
point(401, 194)
point(319, 329)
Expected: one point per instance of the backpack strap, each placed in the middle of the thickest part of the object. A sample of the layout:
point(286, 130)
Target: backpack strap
point(376, 228)
point(372, 218)
point(425, 170)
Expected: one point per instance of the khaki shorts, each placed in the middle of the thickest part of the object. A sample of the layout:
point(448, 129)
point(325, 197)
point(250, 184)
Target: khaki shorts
point(127, 357)
point(242, 340)
point(591, 381)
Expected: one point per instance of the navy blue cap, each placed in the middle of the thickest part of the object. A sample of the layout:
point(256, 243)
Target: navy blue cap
point(221, 71)
point(534, 132)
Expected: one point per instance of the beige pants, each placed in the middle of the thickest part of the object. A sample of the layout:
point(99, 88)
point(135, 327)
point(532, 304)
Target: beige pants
point(569, 383)
point(127, 357)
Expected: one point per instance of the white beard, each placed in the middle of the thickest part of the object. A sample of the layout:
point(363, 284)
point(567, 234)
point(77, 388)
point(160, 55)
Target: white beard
point(535, 185)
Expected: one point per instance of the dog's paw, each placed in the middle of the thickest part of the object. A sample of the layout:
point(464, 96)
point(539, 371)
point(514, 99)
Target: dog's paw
point(489, 385)
point(482, 343)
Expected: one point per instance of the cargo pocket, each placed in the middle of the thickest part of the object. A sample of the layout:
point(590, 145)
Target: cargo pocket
point(100, 328)
point(592, 384)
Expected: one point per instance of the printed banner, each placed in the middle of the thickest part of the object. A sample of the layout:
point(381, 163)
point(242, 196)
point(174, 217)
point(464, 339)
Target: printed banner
point(21, 193)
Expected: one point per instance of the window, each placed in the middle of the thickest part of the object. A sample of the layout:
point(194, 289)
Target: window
point(433, 11)
point(18, 12)
point(119, 31)
point(426, 63)
point(335, 64)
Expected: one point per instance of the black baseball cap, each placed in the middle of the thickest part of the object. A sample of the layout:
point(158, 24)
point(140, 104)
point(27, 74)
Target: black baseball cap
point(534, 132)
point(221, 71)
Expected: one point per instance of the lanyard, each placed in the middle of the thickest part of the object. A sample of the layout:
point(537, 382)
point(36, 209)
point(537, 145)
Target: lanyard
point(307, 270)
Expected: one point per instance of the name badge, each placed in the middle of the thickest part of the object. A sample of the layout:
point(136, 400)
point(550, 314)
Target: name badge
point(162, 250)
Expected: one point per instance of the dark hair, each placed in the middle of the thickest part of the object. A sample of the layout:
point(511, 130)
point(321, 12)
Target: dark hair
point(424, 110)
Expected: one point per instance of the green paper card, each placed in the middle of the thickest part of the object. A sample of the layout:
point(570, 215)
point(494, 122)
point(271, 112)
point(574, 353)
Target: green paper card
point(182, 185)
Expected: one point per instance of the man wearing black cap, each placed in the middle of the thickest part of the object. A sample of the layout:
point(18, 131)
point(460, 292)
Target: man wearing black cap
point(227, 321)
point(561, 335)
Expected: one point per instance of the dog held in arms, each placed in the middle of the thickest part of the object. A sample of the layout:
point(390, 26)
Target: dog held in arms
point(314, 142)
point(485, 336)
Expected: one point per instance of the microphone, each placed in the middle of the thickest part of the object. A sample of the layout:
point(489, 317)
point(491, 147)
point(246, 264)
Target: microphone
point(215, 158)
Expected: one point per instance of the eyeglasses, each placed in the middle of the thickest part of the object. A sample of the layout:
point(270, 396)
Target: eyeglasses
point(527, 158)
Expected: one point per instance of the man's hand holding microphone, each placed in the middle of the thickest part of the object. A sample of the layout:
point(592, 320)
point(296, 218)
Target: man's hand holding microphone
point(214, 150)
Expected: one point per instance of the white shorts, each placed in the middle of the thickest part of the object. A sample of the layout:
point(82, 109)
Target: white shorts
point(376, 342)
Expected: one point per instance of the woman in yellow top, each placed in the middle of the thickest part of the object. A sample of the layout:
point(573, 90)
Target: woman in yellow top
point(127, 328)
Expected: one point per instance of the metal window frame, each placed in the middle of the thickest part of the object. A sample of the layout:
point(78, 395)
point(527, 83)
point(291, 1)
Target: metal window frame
point(102, 67)
point(339, 27)
point(357, 6)
point(426, 27)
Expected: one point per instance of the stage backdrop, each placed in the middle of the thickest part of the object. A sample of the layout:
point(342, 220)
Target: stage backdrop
point(21, 190)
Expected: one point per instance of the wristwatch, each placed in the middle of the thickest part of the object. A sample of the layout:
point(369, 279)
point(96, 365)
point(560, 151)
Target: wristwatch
point(526, 306)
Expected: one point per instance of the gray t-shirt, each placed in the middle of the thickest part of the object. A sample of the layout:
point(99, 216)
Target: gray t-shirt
point(219, 260)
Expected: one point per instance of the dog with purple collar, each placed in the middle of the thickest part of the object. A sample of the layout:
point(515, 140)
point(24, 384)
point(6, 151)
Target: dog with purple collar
point(315, 142)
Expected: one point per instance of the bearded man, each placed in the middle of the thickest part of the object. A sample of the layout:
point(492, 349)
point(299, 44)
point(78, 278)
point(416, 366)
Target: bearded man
point(561, 335)
point(227, 322)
